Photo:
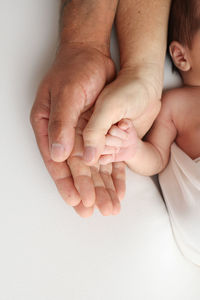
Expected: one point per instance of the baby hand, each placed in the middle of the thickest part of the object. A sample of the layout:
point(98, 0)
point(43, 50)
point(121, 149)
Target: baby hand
point(95, 186)
point(121, 143)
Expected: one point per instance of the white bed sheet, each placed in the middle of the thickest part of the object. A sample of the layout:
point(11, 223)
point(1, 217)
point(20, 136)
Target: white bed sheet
point(47, 252)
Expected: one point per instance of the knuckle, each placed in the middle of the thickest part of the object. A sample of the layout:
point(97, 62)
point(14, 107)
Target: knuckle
point(34, 116)
point(71, 160)
point(62, 89)
point(38, 111)
point(88, 133)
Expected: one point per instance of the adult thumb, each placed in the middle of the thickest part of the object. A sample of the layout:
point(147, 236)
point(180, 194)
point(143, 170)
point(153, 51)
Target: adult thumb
point(64, 114)
point(103, 117)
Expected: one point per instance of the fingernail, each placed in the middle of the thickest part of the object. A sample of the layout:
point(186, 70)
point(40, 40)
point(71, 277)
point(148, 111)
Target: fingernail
point(89, 154)
point(57, 152)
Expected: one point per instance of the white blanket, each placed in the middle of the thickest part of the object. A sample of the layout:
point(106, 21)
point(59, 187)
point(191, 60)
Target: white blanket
point(180, 184)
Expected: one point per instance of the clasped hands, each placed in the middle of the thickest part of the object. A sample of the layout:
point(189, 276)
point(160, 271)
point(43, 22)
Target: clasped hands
point(101, 186)
point(76, 105)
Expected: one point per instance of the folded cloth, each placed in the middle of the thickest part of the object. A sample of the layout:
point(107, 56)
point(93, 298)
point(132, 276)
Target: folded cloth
point(180, 184)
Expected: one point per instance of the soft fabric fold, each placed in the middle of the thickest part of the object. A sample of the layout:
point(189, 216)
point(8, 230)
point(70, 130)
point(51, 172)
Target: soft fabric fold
point(180, 184)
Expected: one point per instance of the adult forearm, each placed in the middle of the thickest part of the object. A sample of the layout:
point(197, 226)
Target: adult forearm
point(142, 32)
point(87, 22)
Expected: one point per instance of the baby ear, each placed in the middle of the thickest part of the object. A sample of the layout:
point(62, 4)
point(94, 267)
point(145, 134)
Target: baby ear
point(180, 56)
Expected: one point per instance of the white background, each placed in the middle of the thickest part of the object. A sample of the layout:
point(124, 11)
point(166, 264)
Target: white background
point(48, 252)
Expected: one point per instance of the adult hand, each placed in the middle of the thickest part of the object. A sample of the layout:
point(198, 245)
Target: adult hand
point(142, 35)
point(72, 85)
point(134, 95)
point(100, 186)
point(109, 185)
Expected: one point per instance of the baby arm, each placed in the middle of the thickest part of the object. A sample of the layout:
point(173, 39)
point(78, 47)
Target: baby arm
point(146, 157)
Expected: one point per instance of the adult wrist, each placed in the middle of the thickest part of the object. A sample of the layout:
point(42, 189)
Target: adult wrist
point(150, 74)
point(69, 45)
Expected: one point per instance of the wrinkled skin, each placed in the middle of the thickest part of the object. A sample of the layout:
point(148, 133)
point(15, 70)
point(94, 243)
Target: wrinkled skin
point(71, 87)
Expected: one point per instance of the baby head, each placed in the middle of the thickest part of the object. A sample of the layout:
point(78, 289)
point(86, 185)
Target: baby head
point(184, 39)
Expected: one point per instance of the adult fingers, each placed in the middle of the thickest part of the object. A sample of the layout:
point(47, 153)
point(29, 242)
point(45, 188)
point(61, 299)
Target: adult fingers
point(105, 172)
point(80, 172)
point(84, 212)
point(119, 178)
point(58, 171)
point(66, 107)
point(103, 200)
point(82, 180)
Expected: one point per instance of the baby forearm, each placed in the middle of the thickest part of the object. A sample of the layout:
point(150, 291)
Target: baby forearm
point(147, 160)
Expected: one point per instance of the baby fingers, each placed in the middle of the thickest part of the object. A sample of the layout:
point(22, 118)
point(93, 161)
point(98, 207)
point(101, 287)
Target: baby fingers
point(118, 132)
